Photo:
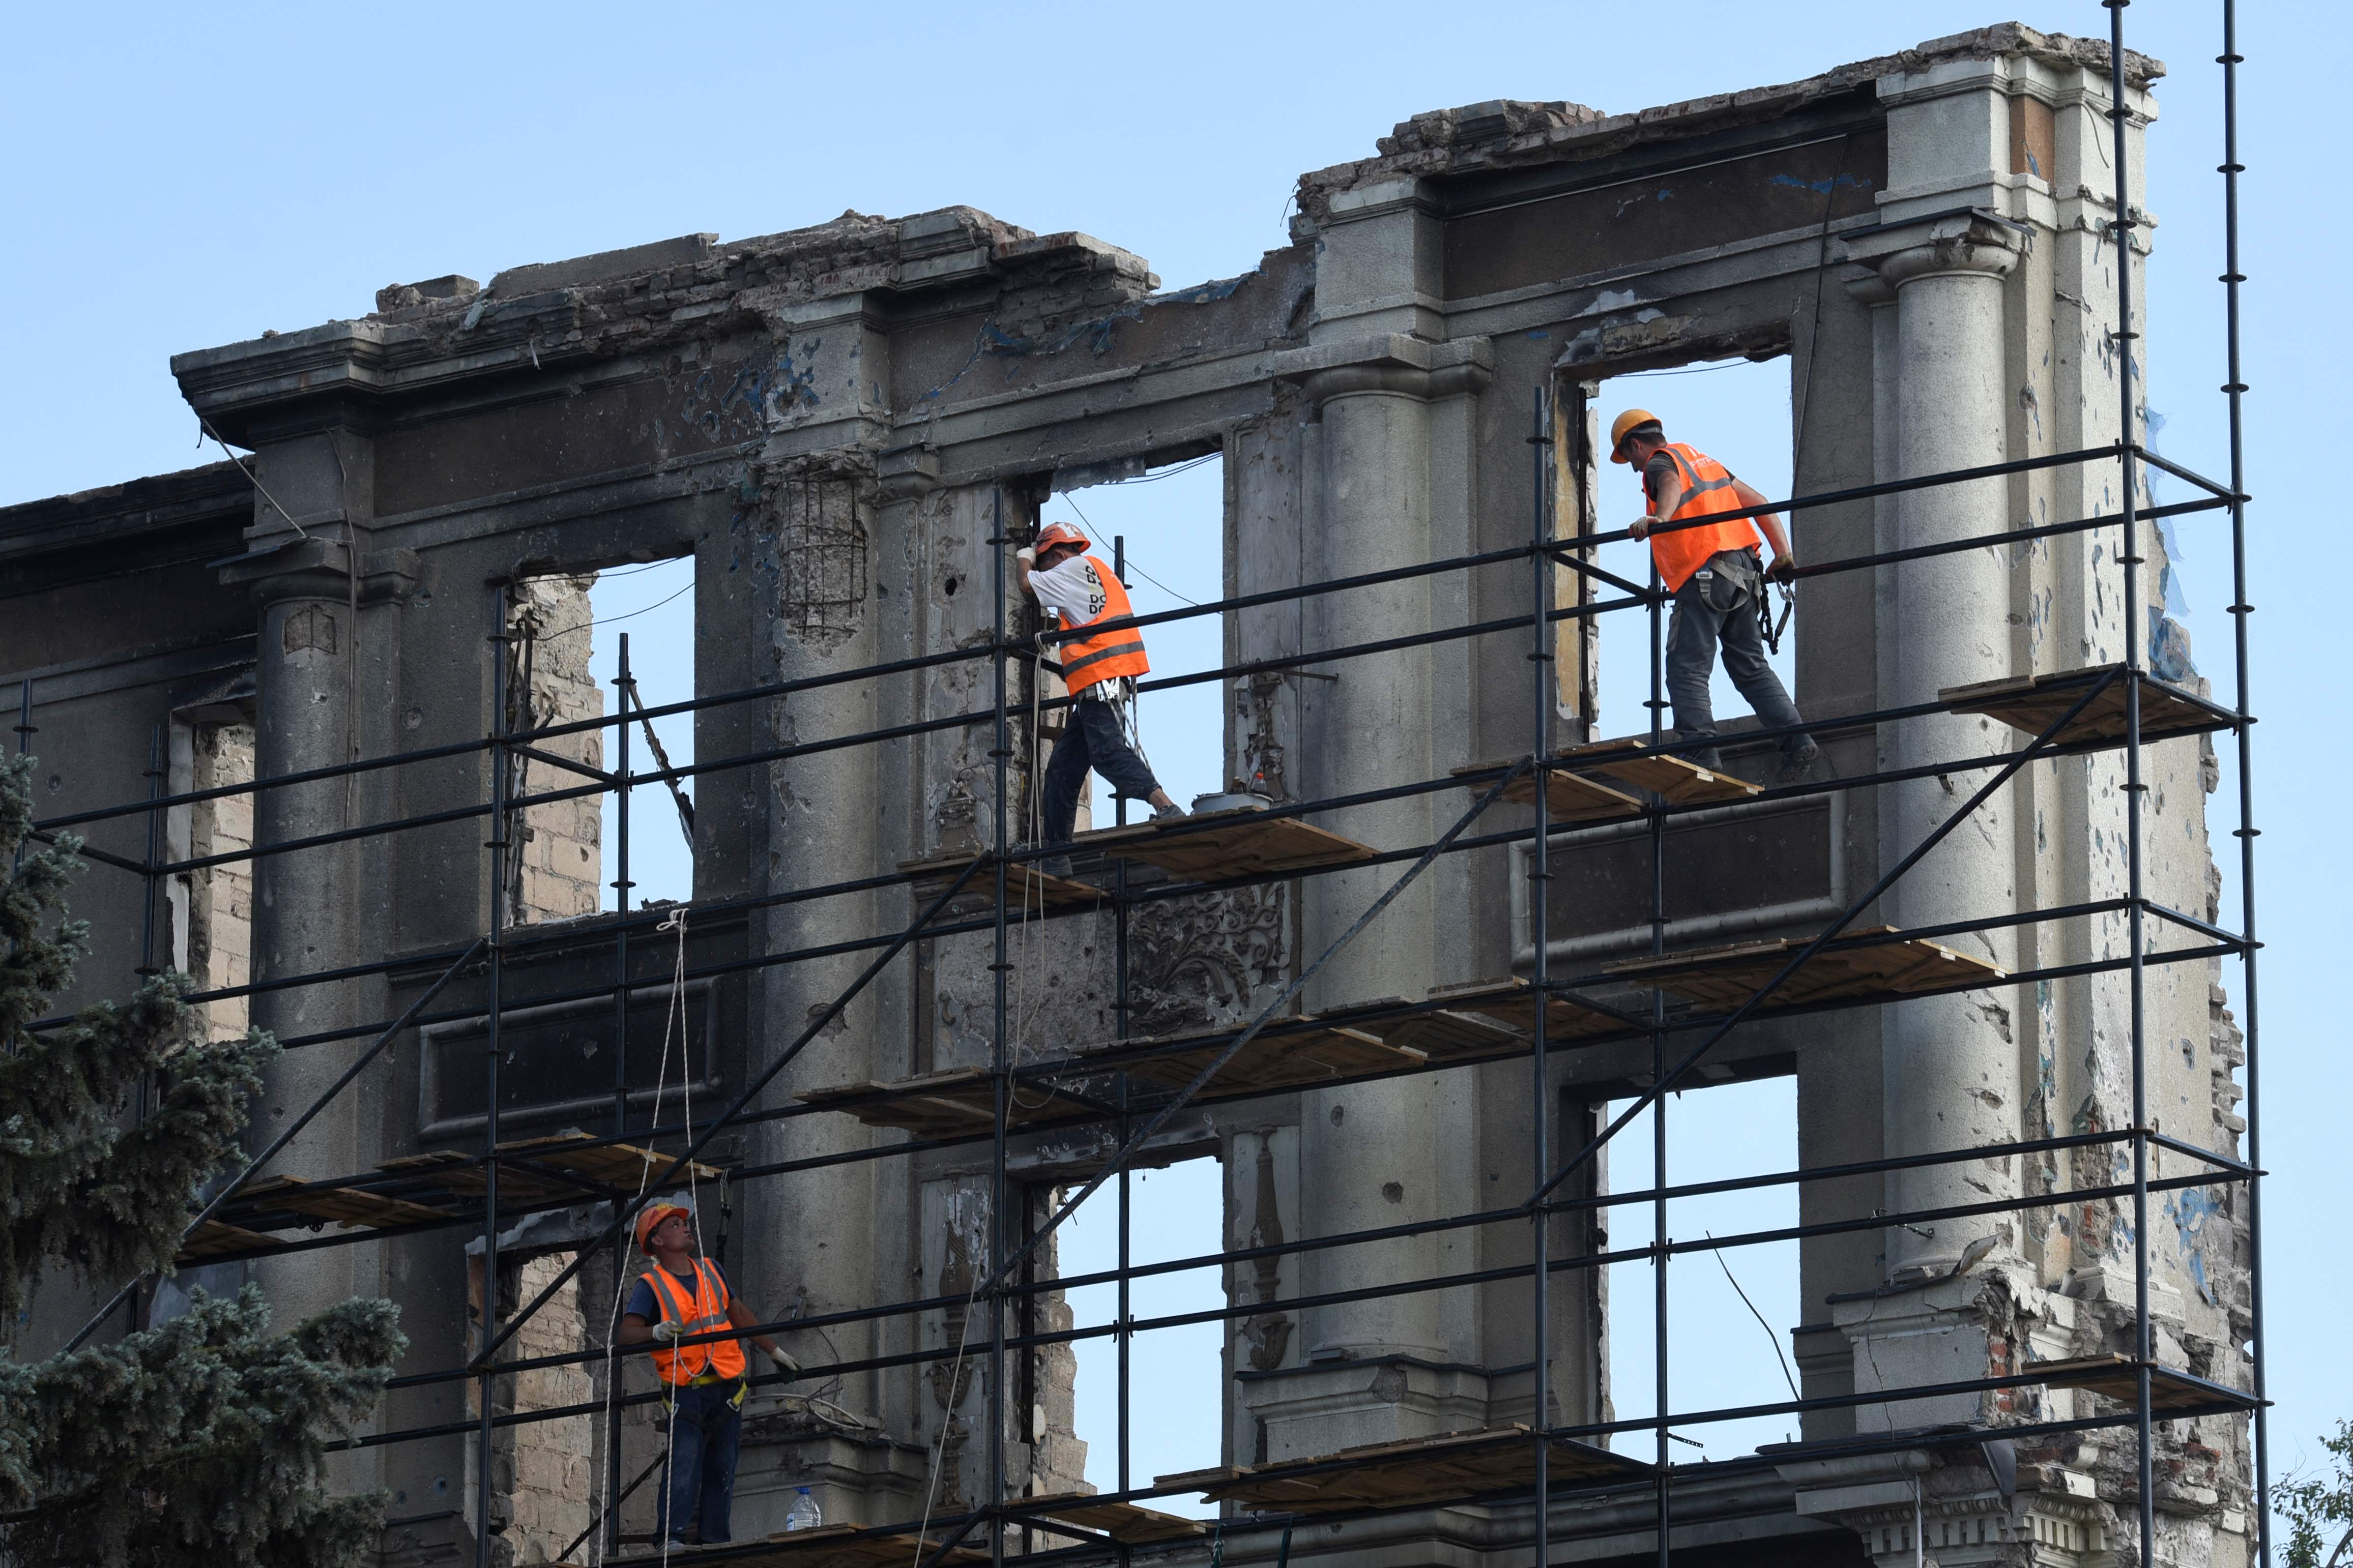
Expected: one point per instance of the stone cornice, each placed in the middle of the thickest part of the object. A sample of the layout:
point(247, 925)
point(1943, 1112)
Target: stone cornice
point(318, 568)
point(317, 375)
point(1942, 245)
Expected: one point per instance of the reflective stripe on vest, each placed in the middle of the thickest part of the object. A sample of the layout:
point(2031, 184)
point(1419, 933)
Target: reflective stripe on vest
point(1112, 646)
point(1708, 489)
point(705, 1311)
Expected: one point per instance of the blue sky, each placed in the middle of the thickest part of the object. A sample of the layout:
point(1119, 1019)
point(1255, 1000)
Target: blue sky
point(185, 176)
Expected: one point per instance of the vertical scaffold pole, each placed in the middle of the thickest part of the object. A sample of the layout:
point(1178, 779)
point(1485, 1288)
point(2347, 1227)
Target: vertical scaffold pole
point(1540, 686)
point(1121, 1004)
point(485, 1473)
point(2130, 559)
point(621, 886)
point(1001, 752)
point(1659, 1390)
point(26, 731)
point(153, 857)
point(2234, 391)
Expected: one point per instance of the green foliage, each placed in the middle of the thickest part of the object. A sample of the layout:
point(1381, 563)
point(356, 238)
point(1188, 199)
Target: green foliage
point(2318, 1508)
point(200, 1444)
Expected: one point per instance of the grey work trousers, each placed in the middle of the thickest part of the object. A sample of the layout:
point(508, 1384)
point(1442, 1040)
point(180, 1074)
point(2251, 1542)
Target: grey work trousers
point(1717, 603)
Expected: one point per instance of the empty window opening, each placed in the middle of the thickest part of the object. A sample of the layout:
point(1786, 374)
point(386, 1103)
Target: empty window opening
point(653, 604)
point(212, 906)
point(1719, 1354)
point(1735, 411)
point(563, 663)
point(1171, 521)
point(1175, 1375)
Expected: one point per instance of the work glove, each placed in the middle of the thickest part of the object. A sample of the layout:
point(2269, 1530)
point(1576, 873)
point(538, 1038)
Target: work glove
point(785, 1363)
point(1640, 527)
point(666, 1331)
point(1783, 570)
point(1027, 557)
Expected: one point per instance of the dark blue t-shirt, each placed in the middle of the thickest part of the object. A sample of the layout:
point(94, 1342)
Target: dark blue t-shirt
point(642, 1304)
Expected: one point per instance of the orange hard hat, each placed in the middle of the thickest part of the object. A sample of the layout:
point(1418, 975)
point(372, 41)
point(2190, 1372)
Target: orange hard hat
point(1625, 425)
point(653, 1215)
point(1060, 533)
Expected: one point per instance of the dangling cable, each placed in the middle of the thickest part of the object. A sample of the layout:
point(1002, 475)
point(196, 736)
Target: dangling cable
point(613, 1318)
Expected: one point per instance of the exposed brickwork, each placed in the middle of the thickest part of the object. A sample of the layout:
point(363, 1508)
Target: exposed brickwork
point(558, 859)
point(554, 1461)
point(220, 898)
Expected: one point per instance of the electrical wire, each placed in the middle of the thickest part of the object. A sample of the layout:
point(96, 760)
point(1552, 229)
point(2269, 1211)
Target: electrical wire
point(1769, 1334)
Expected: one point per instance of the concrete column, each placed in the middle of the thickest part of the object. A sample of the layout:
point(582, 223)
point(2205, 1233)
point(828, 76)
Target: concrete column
point(1375, 1155)
point(311, 910)
point(1951, 1069)
point(1369, 1152)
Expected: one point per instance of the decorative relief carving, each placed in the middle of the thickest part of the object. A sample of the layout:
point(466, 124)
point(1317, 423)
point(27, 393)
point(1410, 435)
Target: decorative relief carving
point(1267, 1332)
point(1205, 961)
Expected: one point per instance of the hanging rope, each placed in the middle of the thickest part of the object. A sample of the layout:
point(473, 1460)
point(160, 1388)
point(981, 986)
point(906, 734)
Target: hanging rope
point(672, 1026)
point(674, 1019)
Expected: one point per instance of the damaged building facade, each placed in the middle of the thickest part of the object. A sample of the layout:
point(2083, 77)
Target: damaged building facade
point(847, 426)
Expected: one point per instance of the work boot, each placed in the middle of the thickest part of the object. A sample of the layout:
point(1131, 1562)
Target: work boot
point(1797, 766)
point(1055, 864)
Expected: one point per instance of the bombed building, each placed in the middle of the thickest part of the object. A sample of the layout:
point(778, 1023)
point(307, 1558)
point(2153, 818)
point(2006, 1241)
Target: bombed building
point(326, 717)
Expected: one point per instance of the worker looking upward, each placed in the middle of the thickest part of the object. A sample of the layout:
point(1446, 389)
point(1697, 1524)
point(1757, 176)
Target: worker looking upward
point(1099, 667)
point(703, 1385)
point(1717, 579)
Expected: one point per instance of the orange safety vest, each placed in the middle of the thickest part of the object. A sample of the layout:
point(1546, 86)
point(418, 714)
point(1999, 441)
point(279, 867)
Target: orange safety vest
point(1112, 646)
point(707, 1310)
point(1707, 489)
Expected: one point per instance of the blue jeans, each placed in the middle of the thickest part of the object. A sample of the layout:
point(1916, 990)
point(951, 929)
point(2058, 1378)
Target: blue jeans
point(703, 1439)
point(1092, 738)
point(1718, 604)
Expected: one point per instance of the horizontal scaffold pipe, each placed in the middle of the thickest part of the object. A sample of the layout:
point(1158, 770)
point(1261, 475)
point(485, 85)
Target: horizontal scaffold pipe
point(1118, 1058)
point(1461, 1279)
point(1221, 606)
point(605, 928)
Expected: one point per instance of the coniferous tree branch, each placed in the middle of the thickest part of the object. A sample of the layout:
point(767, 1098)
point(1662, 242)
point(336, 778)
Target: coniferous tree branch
point(200, 1443)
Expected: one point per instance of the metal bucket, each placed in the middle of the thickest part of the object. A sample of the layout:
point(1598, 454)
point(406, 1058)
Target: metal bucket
point(1235, 800)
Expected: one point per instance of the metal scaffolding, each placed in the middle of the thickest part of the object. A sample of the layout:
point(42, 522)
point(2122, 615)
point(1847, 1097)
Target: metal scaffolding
point(1137, 1111)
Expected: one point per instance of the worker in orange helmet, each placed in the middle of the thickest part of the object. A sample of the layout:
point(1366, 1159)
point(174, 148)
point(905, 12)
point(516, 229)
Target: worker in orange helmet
point(1099, 667)
point(1717, 579)
point(703, 1385)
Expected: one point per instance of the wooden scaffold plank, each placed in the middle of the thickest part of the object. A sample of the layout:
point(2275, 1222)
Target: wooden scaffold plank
point(1217, 845)
point(1123, 1521)
point(215, 1239)
point(956, 1103)
point(1512, 1003)
point(2170, 1393)
point(346, 1205)
point(1291, 1053)
point(1890, 965)
point(1670, 778)
point(828, 1546)
point(1569, 796)
point(1408, 1474)
point(1026, 886)
point(2032, 703)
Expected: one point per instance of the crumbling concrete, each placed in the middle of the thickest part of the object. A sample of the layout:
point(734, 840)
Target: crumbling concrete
point(838, 423)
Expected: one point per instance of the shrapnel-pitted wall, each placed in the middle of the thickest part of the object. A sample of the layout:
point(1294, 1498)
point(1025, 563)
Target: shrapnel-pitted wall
point(838, 424)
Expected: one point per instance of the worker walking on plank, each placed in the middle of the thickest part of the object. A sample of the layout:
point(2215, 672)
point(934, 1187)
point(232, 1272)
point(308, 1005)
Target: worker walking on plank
point(703, 1385)
point(1099, 667)
point(1717, 579)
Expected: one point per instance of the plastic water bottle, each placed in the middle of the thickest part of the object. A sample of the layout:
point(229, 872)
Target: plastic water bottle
point(806, 1514)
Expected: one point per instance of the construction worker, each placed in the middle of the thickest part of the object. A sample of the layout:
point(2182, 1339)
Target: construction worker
point(1100, 670)
point(1718, 581)
point(703, 1385)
